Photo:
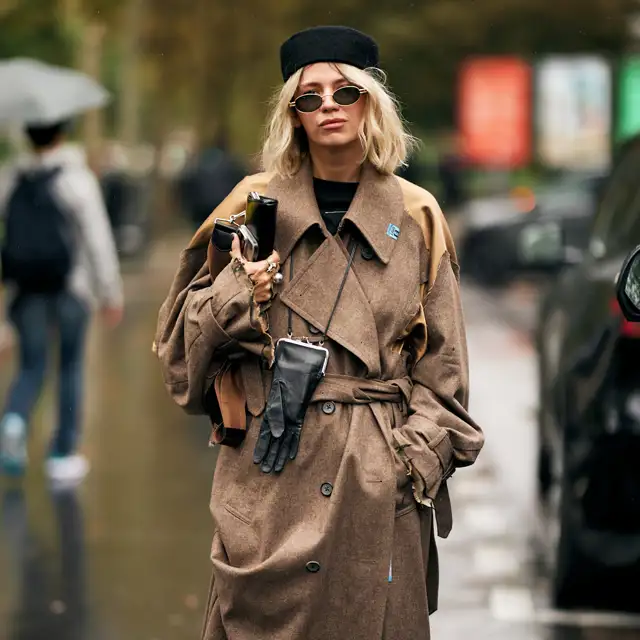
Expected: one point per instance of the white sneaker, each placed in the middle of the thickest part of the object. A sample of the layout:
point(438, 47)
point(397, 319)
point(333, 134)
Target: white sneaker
point(67, 470)
point(13, 444)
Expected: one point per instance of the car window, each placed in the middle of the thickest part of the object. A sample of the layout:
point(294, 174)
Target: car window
point(626, 235)
point(615, 219)
point(567, 205)
point(573, 195)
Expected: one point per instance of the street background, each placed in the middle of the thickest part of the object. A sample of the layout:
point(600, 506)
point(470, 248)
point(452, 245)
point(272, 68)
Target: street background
point(503, 96)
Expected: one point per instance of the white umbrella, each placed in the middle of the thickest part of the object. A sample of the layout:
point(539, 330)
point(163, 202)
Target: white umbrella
point(32, 92)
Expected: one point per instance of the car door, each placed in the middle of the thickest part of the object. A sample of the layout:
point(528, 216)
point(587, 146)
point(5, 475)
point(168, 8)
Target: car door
point(576, 312)
point(592, 326)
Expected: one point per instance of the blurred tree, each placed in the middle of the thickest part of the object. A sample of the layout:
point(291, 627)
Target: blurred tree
point(423, 45)
point(211, 65)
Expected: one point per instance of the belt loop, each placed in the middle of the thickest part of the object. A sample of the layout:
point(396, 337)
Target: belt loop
point(444, 515)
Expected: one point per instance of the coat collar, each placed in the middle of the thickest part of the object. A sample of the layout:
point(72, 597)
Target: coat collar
point(376, 211)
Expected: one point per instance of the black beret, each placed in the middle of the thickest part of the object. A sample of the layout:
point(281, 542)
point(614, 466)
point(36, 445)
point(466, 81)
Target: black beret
point(327, 44)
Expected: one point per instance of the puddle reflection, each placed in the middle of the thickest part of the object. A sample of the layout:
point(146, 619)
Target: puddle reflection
point(47, 571)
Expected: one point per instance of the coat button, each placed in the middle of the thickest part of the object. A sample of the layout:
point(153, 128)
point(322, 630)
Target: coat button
point(313, 330)
point(328, 408)
point(313, 566)
point(326, 489)
point(366, 253)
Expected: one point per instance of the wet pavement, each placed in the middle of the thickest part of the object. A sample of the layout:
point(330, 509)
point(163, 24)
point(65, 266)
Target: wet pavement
point(125, 557)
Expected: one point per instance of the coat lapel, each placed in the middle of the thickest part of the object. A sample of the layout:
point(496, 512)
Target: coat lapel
point(312, 294)
point(376, 212)
point(297, 210)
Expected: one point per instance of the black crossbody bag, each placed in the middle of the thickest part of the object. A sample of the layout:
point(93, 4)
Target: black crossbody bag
point(298, 368)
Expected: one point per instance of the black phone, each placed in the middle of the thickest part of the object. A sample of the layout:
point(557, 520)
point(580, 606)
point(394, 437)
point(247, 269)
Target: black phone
point(260, 221)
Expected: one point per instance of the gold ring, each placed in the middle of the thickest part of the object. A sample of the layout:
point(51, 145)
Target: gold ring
point(272, 266)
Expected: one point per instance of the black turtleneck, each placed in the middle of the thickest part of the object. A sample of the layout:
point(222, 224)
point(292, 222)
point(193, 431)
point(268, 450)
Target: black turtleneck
point(334, 199)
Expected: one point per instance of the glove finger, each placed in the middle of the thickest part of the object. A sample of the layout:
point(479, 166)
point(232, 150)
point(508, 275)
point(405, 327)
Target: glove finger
point(283, 453)
point(275, 410)
point(263, 442)
point(270, 458)
point(295, 443)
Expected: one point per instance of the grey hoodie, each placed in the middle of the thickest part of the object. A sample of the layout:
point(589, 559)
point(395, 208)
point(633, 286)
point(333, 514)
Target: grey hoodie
point(95, 278)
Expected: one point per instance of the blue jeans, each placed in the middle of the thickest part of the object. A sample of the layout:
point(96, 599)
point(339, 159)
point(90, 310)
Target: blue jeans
point(36, 317)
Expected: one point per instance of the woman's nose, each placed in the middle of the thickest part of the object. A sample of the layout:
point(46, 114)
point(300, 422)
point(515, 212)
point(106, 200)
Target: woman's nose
point(328, 102)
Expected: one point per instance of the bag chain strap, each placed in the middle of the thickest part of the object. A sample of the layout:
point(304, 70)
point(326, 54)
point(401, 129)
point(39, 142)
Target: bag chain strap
point(335, 304)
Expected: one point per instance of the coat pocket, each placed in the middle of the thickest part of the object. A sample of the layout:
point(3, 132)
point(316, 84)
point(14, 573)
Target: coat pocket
point(238, 483)
point(212, 628)
point(405, 509)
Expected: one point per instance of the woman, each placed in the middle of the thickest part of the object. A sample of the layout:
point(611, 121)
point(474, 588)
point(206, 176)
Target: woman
point(333, 539)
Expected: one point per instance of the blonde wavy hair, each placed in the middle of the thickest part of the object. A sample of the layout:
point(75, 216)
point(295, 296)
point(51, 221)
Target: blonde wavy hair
point(386, 143)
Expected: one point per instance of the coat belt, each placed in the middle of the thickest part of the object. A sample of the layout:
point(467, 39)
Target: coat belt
point(335, 388)
point(352, 390)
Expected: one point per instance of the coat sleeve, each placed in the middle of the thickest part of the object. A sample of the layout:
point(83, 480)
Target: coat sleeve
point(8, 177)
point(80, 190)
point(213, 322)
point(204, 323)
point(439, 434)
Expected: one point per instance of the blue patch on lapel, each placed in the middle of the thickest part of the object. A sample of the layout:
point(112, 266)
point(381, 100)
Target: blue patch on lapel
point(393, 231)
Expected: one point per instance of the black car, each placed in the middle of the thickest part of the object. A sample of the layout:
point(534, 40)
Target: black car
point(589, 392)
point(492, 226)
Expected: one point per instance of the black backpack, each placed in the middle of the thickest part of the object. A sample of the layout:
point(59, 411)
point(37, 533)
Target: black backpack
point(37, 248)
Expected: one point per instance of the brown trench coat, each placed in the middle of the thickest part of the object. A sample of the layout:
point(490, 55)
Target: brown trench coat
point(340, 544)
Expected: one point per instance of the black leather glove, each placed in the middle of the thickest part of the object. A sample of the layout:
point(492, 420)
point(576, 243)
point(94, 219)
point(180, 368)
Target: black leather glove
point(298, 369)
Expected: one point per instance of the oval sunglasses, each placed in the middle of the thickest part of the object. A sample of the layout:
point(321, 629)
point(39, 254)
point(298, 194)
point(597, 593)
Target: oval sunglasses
point(344, 96)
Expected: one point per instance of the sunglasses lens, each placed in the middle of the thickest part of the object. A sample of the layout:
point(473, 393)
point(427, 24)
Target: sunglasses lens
point(308, 102)
point(347, 95)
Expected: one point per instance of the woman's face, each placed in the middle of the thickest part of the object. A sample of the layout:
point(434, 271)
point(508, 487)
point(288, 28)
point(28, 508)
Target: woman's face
point(332, 125)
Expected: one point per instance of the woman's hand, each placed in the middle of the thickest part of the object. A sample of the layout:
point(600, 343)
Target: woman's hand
point(257, 272)
point(112, 316)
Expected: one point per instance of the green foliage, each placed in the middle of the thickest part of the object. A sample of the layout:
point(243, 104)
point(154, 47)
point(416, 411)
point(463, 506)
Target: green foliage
point(31, 28)
point(5, 149)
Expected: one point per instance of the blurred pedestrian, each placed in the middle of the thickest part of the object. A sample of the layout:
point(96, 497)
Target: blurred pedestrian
point(208, 179)
point(58, 262)
point(324, 512)
point(451, 173)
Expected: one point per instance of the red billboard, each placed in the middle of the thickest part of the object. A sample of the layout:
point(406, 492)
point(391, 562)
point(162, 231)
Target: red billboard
point(494, 111)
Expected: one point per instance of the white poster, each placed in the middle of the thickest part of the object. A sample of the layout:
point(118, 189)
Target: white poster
point(573, 112)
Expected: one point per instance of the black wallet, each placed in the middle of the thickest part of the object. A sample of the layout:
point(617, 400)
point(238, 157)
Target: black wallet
point(258, 233)
point(299, 368)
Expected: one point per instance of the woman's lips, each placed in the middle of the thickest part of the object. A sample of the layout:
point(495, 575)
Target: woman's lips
point(332, 124)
